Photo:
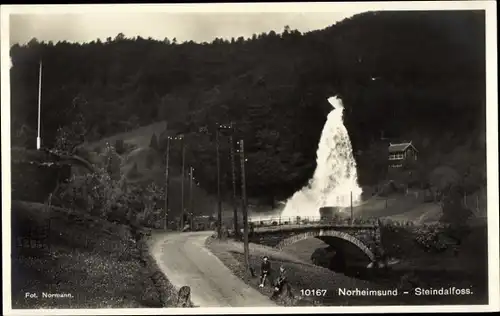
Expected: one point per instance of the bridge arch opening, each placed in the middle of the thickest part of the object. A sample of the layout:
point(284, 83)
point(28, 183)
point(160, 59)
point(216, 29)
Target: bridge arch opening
point(345, 257)
point(343, 253)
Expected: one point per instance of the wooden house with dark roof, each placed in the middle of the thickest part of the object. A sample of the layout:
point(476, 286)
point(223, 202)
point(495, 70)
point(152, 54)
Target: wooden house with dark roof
point(401, 154)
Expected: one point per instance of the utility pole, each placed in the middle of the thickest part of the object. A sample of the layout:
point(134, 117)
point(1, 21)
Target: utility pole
point(191, 211)
point(219, 203)
point(39, 138)
point(244, 206)
point(235, 207)
point(167, 162)
point(167, 175)
point(182, 181)
point(220, 128)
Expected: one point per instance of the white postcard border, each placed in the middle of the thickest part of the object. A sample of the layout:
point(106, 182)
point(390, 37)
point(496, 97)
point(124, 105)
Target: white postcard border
point(491, 128)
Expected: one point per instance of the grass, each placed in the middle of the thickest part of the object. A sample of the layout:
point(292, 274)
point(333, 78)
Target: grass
point(100, 264)
point(302, 275)
point(376, 206)
point(139, 137)
point(421, 213)
point(150, 166)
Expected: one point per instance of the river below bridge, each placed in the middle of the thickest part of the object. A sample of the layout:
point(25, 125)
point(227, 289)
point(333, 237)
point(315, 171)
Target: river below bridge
point(466, 270)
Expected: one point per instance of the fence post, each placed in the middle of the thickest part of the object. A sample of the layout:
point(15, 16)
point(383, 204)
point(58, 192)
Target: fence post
point(352, 213)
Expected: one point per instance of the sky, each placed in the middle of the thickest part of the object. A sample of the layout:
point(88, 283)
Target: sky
point(184, 26)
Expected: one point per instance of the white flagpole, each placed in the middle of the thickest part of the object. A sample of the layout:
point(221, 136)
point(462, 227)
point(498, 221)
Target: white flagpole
point(39, 139)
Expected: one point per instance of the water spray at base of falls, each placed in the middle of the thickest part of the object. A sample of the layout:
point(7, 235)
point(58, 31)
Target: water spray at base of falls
point(335, 180)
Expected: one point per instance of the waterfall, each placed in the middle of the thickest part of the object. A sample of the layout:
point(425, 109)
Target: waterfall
point(335, 177)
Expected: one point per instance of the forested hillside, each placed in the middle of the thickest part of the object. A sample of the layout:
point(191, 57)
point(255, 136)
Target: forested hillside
point(416, 76)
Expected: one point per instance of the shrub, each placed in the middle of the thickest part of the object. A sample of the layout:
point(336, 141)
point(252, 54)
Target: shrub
point(120, 146)
point(150, 160)
point(133, 172)
point(454, 212)
point(153, 212)
point(154, 142)
point(69, 137)
point(106, 193)
point(111, 162)
point(429, 238)
point(442, 179)
point(163, 140)
point(129, 147)
point(95, 193)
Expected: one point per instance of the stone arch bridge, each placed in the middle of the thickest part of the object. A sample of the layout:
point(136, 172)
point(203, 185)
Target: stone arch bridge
point(361, 242)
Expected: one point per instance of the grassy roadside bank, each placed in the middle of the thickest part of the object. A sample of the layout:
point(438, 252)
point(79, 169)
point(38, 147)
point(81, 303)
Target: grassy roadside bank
point(91, 262)
point(302, 275)
point(305, 276)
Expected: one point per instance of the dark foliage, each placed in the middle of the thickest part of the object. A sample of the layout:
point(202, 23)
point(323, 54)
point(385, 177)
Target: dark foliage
point(120, 146)
point(154, 142)
point(412, 75)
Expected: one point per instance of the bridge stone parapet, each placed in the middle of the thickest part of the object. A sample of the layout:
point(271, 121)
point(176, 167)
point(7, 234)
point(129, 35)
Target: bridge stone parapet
point(364, 238)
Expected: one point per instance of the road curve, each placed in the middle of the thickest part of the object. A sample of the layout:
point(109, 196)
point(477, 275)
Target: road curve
point(185, 260)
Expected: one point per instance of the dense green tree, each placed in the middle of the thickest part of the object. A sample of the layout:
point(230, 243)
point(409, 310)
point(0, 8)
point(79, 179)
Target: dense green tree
point(414, 75)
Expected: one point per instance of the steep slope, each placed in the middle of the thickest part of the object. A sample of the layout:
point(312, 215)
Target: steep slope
point(397, 72)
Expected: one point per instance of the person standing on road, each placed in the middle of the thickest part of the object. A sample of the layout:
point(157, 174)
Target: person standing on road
point(280, 284)
point(265, 269)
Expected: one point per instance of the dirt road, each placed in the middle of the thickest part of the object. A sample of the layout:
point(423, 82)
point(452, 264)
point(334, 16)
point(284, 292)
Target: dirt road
point(184, 259)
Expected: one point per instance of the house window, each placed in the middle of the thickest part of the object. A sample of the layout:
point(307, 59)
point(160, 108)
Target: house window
point(397, 156)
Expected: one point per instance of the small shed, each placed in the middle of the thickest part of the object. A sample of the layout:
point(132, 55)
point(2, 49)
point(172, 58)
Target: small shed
point(401, 153)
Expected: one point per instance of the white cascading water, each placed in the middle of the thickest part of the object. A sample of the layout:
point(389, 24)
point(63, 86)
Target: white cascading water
point(335, 177)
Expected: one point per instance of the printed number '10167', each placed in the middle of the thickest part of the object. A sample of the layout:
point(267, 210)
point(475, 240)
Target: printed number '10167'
point(312, 292)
